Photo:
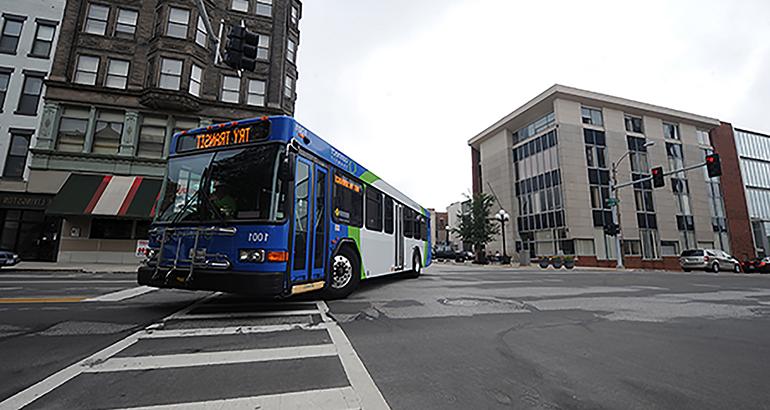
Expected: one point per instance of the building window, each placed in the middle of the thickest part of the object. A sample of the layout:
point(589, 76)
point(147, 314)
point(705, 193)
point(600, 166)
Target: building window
point(117, 74)
point(126, 22)
point(111, 229)
point(240, 5)
point(231, 89)
point(152, 137)
point(592, 116)
point(256, 93)
point(201, 37)
point(634, 124)
point(9, 40)
point(265, 8)
point(16, 160)
point(263, 47)
point(703, 137)
point(30, 94)
point(178, 19)
point(288, 88)
point(96, 20)
point(294, 15)
point(196, 77)
point(639, 161)
point(671, 131)
point(109, 128)
point(632, 247)
point(41, 46)
point(5, 78)
point(86, 70)
point(72, 129)
point(649, 243)
point(170, 74)
point(291, 51)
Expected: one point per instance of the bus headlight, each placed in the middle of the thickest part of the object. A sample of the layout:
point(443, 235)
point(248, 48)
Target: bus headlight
point(251, 255)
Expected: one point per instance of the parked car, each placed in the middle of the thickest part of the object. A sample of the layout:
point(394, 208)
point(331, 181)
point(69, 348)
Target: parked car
point(712, 260)
point(8, 258)
point(757, 265)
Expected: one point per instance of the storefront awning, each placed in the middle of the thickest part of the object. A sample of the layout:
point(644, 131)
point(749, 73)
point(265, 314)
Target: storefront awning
point(106, 195)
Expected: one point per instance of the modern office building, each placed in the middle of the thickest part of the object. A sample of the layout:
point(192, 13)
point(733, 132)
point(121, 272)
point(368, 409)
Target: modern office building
point(549, 163)
point(30, 31)
point(126, 76)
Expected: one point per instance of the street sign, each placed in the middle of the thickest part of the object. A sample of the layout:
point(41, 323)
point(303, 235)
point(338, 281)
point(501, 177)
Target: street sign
point(613, 202)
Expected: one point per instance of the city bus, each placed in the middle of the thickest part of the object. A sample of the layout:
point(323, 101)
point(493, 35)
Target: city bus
point(265, 207)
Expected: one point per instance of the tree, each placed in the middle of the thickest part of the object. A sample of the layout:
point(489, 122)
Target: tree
point(476, 227)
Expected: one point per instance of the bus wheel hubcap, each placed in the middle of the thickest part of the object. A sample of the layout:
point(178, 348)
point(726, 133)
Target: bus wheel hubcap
point(342, 272)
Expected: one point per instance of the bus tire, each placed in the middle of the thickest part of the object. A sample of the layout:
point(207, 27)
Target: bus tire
point(345, 274)
point(416, 265)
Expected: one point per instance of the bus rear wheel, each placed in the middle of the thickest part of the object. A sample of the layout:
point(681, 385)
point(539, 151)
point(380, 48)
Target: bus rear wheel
point(345, 275)
point(416, 265)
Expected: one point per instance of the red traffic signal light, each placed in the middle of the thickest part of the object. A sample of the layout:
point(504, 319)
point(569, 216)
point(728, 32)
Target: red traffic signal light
point(657, 177)
point(713, 165)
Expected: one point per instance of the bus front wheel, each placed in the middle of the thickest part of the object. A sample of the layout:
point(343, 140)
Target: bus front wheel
point(345, 274)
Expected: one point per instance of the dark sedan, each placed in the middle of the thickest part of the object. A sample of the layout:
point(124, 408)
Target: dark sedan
point(8, 258)
point(758, 265)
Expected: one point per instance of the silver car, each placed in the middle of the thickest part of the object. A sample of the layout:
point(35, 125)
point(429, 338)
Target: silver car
point(712, 260)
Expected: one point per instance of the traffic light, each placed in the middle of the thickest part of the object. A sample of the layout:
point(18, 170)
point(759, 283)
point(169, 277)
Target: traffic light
point(241, 49)
point(657, 177)
point(713, 165)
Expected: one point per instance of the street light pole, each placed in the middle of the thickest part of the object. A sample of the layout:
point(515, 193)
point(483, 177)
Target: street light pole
point(503, 217)
point(616, 206)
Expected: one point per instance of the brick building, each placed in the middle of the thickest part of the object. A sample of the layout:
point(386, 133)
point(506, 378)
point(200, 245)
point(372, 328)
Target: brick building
point(126, 76)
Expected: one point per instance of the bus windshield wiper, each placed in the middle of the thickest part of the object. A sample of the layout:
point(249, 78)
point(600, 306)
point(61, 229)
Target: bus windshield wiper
point(185, 206)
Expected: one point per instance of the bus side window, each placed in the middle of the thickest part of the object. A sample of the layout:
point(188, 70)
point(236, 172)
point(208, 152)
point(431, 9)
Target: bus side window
point(348, 200)
point(388, 215)
point(373, 209)
point(408, 222)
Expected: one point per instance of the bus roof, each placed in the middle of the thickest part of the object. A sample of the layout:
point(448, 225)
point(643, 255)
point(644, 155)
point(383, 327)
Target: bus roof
point(284, 129)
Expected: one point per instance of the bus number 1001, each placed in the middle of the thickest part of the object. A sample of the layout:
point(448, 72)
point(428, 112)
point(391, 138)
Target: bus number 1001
point(258, 236)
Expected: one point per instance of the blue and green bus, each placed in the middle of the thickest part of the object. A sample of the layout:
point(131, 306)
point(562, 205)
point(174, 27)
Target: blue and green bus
point(265, 207)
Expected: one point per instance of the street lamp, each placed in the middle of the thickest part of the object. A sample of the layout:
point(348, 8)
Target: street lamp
point(503, 217)
point(616, 206)
point(448, 230)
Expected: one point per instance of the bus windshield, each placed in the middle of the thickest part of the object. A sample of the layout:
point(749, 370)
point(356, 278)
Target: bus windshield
point(237, 184)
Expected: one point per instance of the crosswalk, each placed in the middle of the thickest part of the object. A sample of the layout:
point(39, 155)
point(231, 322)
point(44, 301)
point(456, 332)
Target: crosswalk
point(221, 352)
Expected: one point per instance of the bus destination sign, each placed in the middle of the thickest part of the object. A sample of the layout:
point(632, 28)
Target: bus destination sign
point(221, 137)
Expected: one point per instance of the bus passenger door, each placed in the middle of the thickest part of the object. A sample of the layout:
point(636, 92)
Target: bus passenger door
point(320, 223)
point(303, 205)
point(399, 235)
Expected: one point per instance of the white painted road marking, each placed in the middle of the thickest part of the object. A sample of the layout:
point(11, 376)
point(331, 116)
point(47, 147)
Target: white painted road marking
point(246, 315)
point(327, 399)
point(211, 358)
point(371, 397)
point(122, 294)
point(229, 331)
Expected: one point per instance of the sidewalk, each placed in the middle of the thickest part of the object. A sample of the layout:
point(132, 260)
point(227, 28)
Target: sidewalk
point(72, 267)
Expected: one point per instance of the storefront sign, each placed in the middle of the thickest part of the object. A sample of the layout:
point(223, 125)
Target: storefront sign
point(24, 201)
point(142, 247)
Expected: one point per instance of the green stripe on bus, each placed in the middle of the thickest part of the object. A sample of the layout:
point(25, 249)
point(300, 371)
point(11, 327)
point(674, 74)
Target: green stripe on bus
point(355, 235)
point(369, 178)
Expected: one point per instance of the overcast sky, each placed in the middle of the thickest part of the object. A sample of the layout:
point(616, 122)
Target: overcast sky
point(401, 85)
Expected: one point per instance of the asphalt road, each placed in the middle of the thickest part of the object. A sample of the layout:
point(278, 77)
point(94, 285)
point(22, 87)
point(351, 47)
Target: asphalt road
point(462, 337)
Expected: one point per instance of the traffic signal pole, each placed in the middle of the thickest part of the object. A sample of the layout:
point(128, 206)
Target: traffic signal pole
point(210, 30)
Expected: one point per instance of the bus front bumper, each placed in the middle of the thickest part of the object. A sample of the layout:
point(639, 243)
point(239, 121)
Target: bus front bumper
point(245, 283)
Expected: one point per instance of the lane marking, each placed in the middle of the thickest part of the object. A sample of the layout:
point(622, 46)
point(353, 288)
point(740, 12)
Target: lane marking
point(326, 399)
point(359, 377)
point(122, 294)
point(69, 299)
point(244, 315)
point(211, 358)
point(228, 331)
point(45, 386)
